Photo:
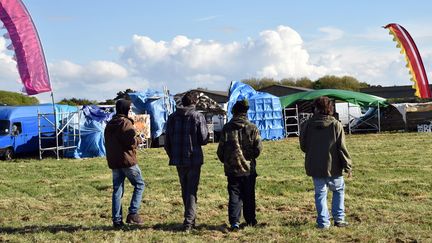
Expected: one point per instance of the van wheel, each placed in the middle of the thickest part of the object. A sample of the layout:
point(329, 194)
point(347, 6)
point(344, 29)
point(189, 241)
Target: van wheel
point(9, 154)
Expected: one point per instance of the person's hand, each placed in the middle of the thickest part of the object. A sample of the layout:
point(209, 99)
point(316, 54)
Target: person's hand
point(349, 175)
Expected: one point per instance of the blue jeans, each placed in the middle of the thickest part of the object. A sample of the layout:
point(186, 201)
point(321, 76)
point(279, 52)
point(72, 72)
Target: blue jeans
point(337, 186)
point(133, 174)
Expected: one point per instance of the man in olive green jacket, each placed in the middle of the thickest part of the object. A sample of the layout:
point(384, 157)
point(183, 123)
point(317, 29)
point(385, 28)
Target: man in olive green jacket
point(239, 146)
point(322, 138)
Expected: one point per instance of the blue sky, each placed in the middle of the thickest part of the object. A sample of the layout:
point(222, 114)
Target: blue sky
point(96, 48)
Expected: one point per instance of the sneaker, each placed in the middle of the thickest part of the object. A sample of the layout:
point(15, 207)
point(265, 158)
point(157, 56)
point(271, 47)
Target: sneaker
point(235, 227)
point(252, 223)
point(187, 228)
point(134, 219)
point(323, 227)
point(341, 224)
point(118, 224)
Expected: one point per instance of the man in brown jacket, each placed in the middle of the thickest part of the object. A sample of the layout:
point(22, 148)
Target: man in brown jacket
point(323, 140)
point(121, 142)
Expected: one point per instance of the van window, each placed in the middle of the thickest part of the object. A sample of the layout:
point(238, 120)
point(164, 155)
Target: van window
point(4, 127)
point(16, 128)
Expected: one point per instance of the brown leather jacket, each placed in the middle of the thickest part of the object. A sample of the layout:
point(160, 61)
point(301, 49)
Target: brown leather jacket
point(121, 142)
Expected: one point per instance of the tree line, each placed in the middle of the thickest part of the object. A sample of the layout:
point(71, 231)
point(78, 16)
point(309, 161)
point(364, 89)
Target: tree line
point(325, 82)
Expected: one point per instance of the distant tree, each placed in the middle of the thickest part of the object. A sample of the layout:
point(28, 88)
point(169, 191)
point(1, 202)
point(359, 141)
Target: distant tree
point(12, 98)
point(260, 83)
point(334, 82)
point(304, 82)
point(107, 102)
point(288, 82)
point(77, 102)
point(124, 94)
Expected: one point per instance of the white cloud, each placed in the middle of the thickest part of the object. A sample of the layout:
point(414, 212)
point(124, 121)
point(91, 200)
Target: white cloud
point(274, 53)
point(9, 78)
point(331, 33)
point(97, 80)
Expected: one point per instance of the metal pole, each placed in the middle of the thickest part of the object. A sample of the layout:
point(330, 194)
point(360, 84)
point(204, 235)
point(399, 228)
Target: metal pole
point(349, 119)
point(379, 118)
point(55, 126)
point(40, 140)
point(298, 122)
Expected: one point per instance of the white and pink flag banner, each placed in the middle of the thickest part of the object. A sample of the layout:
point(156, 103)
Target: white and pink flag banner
point(29, 54)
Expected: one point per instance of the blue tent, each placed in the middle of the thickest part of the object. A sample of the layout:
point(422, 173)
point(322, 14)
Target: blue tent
point(92, 125)
point(265, 110)
point(158, 105)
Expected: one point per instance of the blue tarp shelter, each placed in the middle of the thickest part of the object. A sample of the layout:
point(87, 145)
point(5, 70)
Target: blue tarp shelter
point(92, 125)
point(157, 104)
point(265, 110)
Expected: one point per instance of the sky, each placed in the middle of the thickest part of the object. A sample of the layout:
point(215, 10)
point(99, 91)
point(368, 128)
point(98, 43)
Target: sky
point(96, 48)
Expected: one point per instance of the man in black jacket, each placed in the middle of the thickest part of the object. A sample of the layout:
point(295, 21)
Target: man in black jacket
point(186, 131)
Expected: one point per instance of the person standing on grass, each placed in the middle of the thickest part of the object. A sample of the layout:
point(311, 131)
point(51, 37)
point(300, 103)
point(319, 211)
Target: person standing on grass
point(186, 132)
point(121, 142)
point(322, 139)
point(239, 146)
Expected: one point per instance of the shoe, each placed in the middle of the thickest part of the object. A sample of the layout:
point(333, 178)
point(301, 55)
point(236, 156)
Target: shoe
point(134, 219)
point(235, 227)
point(323, 227)
point(118, 224)
point(252, 223)
point(341, 224)
point(187, 228)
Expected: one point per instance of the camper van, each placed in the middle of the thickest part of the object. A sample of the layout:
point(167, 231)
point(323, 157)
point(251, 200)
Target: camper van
point(19, 128)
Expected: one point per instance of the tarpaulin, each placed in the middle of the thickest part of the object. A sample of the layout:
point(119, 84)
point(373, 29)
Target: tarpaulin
point(265, 110)
point(158, 105)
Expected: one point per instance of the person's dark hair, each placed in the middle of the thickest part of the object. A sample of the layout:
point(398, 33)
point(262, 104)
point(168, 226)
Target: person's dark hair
point(241, 106)
point(123, 106)
point(323, 105)
point(190, 98)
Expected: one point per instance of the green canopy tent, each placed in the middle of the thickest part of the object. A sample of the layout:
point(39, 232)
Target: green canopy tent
point(361, 99)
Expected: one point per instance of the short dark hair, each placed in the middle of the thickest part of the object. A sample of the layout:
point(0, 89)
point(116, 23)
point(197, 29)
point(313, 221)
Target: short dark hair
point(190, 98)
point(323, 105)
point(241, 106)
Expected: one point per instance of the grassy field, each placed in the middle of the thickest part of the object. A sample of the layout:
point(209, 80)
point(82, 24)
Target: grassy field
point(389, 198)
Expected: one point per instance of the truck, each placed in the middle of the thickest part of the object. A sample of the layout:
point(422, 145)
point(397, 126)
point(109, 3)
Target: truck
point(19, 127)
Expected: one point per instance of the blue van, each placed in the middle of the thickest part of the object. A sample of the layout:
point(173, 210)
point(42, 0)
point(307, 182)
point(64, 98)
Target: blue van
point(19, 132)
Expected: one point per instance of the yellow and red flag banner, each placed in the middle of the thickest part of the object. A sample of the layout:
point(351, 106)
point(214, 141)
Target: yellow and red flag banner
point(413, 59)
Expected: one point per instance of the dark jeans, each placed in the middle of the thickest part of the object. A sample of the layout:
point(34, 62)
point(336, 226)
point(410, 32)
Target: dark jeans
point(241, 190)
point(189, 180)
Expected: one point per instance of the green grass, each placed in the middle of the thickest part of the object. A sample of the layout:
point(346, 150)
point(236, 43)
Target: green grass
point(388, 199)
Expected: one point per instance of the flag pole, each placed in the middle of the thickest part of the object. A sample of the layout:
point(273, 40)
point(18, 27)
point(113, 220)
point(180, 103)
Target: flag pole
point(55, 125)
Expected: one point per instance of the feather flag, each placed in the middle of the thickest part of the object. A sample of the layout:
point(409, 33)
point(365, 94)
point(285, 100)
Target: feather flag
point(29, 54)
point(413, 59)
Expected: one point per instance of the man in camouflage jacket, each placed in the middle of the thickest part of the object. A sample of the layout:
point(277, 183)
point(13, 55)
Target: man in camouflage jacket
point(239, 146)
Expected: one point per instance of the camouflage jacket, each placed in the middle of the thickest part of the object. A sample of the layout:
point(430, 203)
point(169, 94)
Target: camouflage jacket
point(239, 146)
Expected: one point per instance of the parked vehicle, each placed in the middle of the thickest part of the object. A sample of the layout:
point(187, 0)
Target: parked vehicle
point(19, 128)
